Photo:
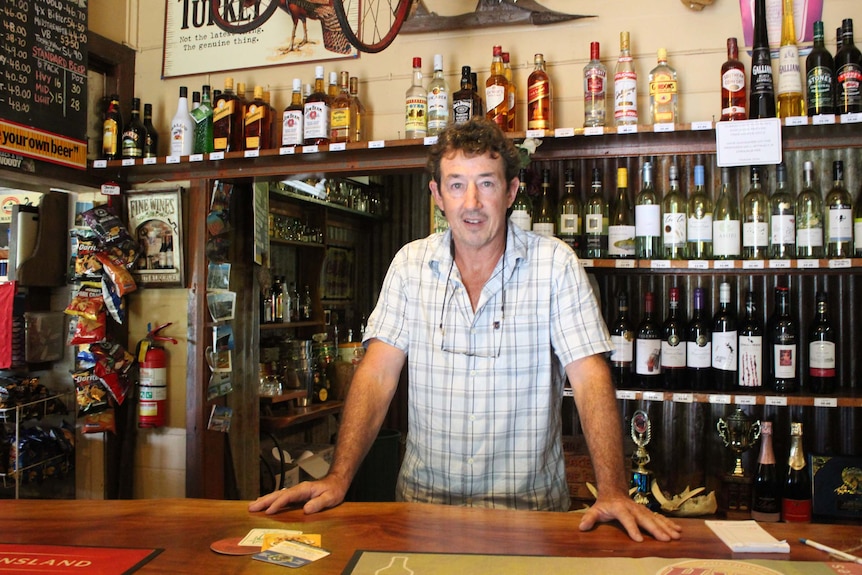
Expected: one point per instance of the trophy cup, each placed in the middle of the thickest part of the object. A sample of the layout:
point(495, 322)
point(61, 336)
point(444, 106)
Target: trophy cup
point(738, 434)
point(641, 476)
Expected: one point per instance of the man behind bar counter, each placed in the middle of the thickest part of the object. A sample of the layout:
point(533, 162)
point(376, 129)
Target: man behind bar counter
point(488, 314)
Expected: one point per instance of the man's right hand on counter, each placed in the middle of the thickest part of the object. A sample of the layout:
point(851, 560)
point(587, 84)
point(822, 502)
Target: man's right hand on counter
point(316, 496)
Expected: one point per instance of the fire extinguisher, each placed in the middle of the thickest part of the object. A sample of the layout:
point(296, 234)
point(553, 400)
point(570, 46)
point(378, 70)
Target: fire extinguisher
point(153, 378)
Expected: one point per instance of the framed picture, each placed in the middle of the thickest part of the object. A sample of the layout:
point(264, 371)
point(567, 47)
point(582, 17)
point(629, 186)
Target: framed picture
point(155, 221)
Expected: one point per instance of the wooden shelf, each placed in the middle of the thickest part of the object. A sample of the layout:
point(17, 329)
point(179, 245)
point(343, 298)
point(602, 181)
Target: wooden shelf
point(299, 415)
point(282, 397)
point(289, 325)
point(795, 266)
point(736, 398)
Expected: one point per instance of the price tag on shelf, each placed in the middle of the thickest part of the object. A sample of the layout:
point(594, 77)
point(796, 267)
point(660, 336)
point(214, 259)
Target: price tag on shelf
point(376, 144)
point(776, 400)
point(587, 263)
point(314, 148)
point(654, 396)
point(251, 154)
point(287, 150)
point(429, 140)
point(337, 147)
point(796, 121)
point(683, 398)
point(626, 394)
point(752, 264)
point(217, 155)
point(825, 402)
point(625, 264)
point(698, 265)
point(150, 161)
point(779, 264)
point(564, 132)
point(823, 120)
point(719, 399)
point(700, 126)
point(100, 163)
point(627, 129)
point(808, 264)
point(664, 127)
point(853, 118)
point(659, 264)
point(196, 158)
point(172, 160)
point(536, 133)
point(746, 400)
point(840, 263)
point(594, 131)
point(723, 264)
point(128, 162)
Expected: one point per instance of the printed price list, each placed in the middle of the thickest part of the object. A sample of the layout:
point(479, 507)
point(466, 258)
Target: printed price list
point(43, 56)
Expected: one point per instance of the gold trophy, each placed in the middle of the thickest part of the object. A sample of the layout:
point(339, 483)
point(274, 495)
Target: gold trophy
point(641, 483)
point(739, 434)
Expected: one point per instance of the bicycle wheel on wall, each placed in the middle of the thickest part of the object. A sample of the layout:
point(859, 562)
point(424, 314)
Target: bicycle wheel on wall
point(239, 16)
point(378, 21)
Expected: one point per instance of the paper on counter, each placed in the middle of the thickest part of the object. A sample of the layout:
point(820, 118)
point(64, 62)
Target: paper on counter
point(747, 537)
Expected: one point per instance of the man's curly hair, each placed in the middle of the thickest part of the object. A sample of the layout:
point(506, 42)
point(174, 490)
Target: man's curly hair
point(474, 137)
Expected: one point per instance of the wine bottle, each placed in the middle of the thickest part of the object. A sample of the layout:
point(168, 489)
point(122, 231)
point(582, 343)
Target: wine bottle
point(783, 347)
point(622, 338)
point(819, 76)
point(182, 127)
point(755, 223)
point(766, 491)
point(112, 129)
point(151, 139)
point(725, 223)
point(751, 346)
point(857, 224)
point(496, 102)
point(762, 97)
point(732, 84)
point(839, 221)
point(724, 342)
point(698, 349)
point(416, 105)
point(596, 219)
point(699, 227)
point(595, 89)
point(625, 86)
point(790, 100)
point(663, 91)
point(621, 228)
point(809, 217)
point(782, 218)
point(848, 70)
point(540, 107)
point(570, 218)
point(647, 218)
point(674, 219)
point(796, 495)
point(315, 121)
point(544, 213)
point(522, 208)
point(134, 133)
point(821, 350)
point(673, 345)
point(648, 347)
point(438, 99)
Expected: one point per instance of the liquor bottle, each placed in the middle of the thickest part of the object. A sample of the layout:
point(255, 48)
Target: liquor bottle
point(674, 219)
point(809, 217)
point(725, 224)
point(796, 495)
point(838, 44)
point(196, 101)
point(732, 84)
point(464, 101)
point(755, 222)
point(783, 348)
point(151, 139)
point(315, 121)
point(182, 127)
point(839, 219)
point(857, 224)
point(169, 252)
point(570, 218)
point(820, 76)
point(698, 347)
point(228, 117)
point(416, 105)
point(296, 301)
point(699, 228)
point(663, 92)
point(277, 300)
point(359, 125)
point(673, 344)
point(821, 350)
point(766, 491)
point(762, 97)
point(648, 347)
point(596, 219)
point(522, 208)
point(332, 87)
point(134, 133)
point(291, 118)
point(342, 111)
point(790, 100)
point(782, 218)
point(265, 306)
point(724, 342)
point(621, 227)
point(544, 213)
point(511, 95)
point(306, 304)
point(625, 86)
point(203, 117)
point(438, 99)
point(112, 130)
point(540, 107)
point(751, 346)
point(622, 338)
point(848, 72)
point(496, 100)
point(595, 89)
point(647, 218)
point(258, 123)
point(480, 104)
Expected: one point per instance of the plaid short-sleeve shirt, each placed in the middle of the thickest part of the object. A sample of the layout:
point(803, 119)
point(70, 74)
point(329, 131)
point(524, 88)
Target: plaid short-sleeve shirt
point(485, 388)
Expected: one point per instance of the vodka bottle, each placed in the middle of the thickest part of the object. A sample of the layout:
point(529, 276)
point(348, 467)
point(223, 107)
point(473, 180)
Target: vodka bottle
point(595, 89)
point(438, 99)
point(625, 86)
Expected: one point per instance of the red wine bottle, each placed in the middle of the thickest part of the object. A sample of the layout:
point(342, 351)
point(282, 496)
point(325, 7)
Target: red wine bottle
point(698, 352)
point(648, 347)
point(821, 350)
point(673, 345)
point(751, 347)
point(622, 338)
point(783, 345)
point(724, 342)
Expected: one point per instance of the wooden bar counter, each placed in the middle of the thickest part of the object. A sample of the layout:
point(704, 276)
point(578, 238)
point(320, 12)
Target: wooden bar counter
point(185, 528)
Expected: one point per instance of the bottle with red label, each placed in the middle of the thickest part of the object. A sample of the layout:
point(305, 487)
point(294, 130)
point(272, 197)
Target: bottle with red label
point(732, 84)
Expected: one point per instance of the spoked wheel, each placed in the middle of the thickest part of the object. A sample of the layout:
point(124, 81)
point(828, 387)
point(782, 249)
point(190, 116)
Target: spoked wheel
point(239, 16)
point(378, 21)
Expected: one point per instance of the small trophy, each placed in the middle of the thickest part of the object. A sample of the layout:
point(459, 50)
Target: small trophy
point(641, 476)
point(738, 434)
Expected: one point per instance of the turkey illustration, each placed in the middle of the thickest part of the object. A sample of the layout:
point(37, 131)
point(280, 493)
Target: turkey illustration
point(334, 39)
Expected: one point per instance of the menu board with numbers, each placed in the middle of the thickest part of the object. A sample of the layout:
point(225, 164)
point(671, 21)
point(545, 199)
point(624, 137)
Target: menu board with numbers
point(43, 79)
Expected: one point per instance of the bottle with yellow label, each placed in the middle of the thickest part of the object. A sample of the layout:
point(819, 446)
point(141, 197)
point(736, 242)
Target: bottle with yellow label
point(663, 92)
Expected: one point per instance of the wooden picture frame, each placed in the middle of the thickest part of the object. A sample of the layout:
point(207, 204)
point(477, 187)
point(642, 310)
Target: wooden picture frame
point(155, 221)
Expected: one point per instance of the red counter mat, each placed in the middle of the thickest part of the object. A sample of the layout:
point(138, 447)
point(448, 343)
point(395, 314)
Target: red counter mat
point(62, 559)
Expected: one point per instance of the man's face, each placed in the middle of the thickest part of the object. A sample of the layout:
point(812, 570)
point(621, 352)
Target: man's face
point(474, 195)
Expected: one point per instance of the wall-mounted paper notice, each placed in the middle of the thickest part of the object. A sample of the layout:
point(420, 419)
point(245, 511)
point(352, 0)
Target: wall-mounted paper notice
point(748, 142)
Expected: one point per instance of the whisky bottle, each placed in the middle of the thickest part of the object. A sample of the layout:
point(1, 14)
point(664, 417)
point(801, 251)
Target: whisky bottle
point(796, 495)
point(674, 219)
point(291, 118)
point(570, 218)
point(544, 213)
point(182, 127)
point(663, 92)
point(359, 126)
point(725, 224)
point(755, 222)
point(648, 347)
point(790, 100)
point(732, 84)
point(522, 210)
point(647, 218)
point(766, 491)
point(464, 105)
point(782, 218)
point(625, 86)
point(203, 117)
point(809, 217)
point(839, 219)
point(511, 95)
point(699, 228)
point(698, 348)
point(821, 350)
point(622, 339)
point(820, 76)
point(783, 344)
point(496, 101)
point(724, 343)
point(332, 87)
point(228, 118)
point(596, 219)
point(151, 139)
point(848, 70)
point(258, 123)
point(673, 344)
point(341, 112)
point(539, 103)
point(315, 122)
point(112, 130)
point(134, 133)
point(438, 99)
point(479, 103)
point(416, 105)
point(621, 227)
point(751, 346)
point(762, 95)
point(595, 89)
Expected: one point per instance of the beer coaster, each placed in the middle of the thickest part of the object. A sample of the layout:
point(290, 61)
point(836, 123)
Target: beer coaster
point(231, 546)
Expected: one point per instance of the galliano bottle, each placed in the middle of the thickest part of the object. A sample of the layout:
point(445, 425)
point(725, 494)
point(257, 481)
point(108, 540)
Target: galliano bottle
point(762, 96)
point(625, 85)
point(595, 89)
point(790, 99)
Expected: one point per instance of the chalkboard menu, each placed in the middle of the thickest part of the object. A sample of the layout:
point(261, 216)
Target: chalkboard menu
point(43, 78)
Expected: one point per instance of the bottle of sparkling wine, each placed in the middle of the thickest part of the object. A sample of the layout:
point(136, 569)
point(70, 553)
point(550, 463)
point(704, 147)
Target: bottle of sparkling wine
point(648, 347)
point(673, 345)
point(698, 351)
point(724, 342)
point(783, 344)
point(647, 218)
point(622, 338)
point(821, 349)
point(796, 496)
point(766, 491)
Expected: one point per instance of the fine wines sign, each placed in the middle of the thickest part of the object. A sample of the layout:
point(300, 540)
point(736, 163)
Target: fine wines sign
point(43, 83)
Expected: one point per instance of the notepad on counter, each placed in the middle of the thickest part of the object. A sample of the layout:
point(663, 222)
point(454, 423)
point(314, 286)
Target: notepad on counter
point(747, 537)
